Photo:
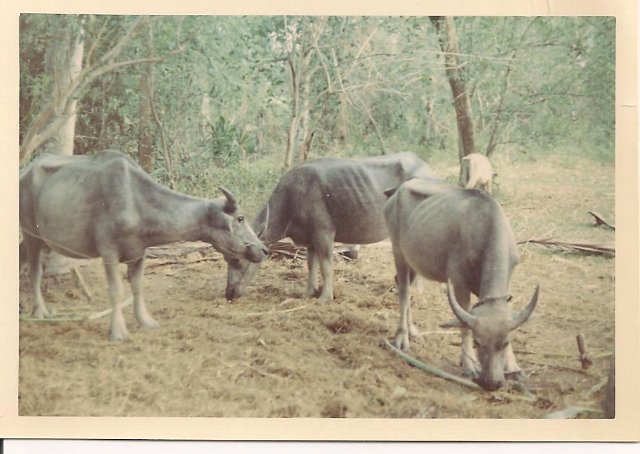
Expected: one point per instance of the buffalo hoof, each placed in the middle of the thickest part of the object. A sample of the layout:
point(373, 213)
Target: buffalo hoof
point(470, 368)
point(146, 320)
point(150, 324)
point(415, 334)
point(40, 313)
point(401, 341)
point(118, 336)
point(325, 299)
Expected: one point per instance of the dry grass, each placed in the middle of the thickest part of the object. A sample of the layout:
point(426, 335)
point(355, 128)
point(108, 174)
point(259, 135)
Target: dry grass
point(274, 354)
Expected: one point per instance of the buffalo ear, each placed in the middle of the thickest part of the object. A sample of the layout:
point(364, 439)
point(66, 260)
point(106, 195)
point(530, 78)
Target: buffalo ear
point(455, 323)
point(216, 218)
point(390, 191)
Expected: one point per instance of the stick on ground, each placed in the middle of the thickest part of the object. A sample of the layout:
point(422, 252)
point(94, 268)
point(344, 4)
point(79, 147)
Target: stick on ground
point(600, 220)
point(82, 282)
point(98, 315)
point(432, 370)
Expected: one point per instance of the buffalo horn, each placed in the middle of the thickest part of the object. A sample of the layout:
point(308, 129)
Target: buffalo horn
point(266, 219)
point(527, 311)
point(465, 317)
point(231, 205)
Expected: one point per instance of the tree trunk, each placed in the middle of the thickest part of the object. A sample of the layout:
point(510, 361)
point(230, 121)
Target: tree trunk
point(342, 120)
point(63, 64)
point(60, 105)
point(448, 39)
point(295, 117)
point(145, 138)
point(305, 129)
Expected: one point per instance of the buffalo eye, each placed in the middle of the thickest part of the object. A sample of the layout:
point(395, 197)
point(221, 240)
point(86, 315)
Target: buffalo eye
point(240, 219)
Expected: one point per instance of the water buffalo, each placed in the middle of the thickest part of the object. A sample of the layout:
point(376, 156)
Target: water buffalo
point(105, 205)
point(462, 237)
point(325, 200)
point(477, 172)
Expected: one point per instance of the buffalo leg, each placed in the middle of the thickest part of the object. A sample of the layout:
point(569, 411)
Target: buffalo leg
point(34, 259)
point(405, 327)
point(136, 271)
point(118, 330)
point(468, 358)
point(511, 369)
point(312, 265)
point(324, 253)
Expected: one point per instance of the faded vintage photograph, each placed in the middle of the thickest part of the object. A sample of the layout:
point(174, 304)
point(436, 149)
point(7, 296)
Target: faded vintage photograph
point(317, 216)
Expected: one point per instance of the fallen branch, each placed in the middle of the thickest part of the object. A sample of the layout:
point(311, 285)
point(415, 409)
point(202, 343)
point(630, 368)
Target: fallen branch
point(527, 397)
point(215, 258)
point(599, 355)
point(284, 248)
point(101, 314)
point(582, 348)
point(565, 246)
point(255, 314)
point(291, 250)
point(558, 366)
point(82, 282)
point(432, 370)
point(27, 318)
point(600, 220)
point(77, 318)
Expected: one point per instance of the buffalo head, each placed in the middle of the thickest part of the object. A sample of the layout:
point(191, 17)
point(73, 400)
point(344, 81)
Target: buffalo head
point(491, 324)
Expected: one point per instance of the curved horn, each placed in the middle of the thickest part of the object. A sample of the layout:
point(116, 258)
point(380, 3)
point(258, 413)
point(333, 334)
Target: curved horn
point(527, 311)
point(231, 204)
point(266, 218)
point(464, 316)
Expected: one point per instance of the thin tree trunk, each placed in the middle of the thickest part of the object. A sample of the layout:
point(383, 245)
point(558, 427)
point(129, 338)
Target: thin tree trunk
point(145, 138)
point(58, 107)
point(305, 130)
point(63, 64)
point(342, 119)
point(295, 117)
point(448, 39)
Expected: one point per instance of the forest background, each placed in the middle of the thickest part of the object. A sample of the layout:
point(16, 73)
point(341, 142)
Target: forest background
point(203, 101)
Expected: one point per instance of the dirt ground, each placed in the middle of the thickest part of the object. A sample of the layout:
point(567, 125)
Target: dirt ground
point(272, 353)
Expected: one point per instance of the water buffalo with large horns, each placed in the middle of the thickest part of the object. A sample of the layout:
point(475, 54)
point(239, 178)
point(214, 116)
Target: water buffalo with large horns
point(462, 237)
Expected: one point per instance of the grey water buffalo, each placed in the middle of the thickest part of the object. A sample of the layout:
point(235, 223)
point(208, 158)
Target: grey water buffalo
point(462, 237)
point(325, 200)
point(477, 172)
point(105, 205)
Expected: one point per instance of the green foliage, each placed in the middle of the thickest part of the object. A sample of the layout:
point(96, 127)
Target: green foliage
point(223, 98)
